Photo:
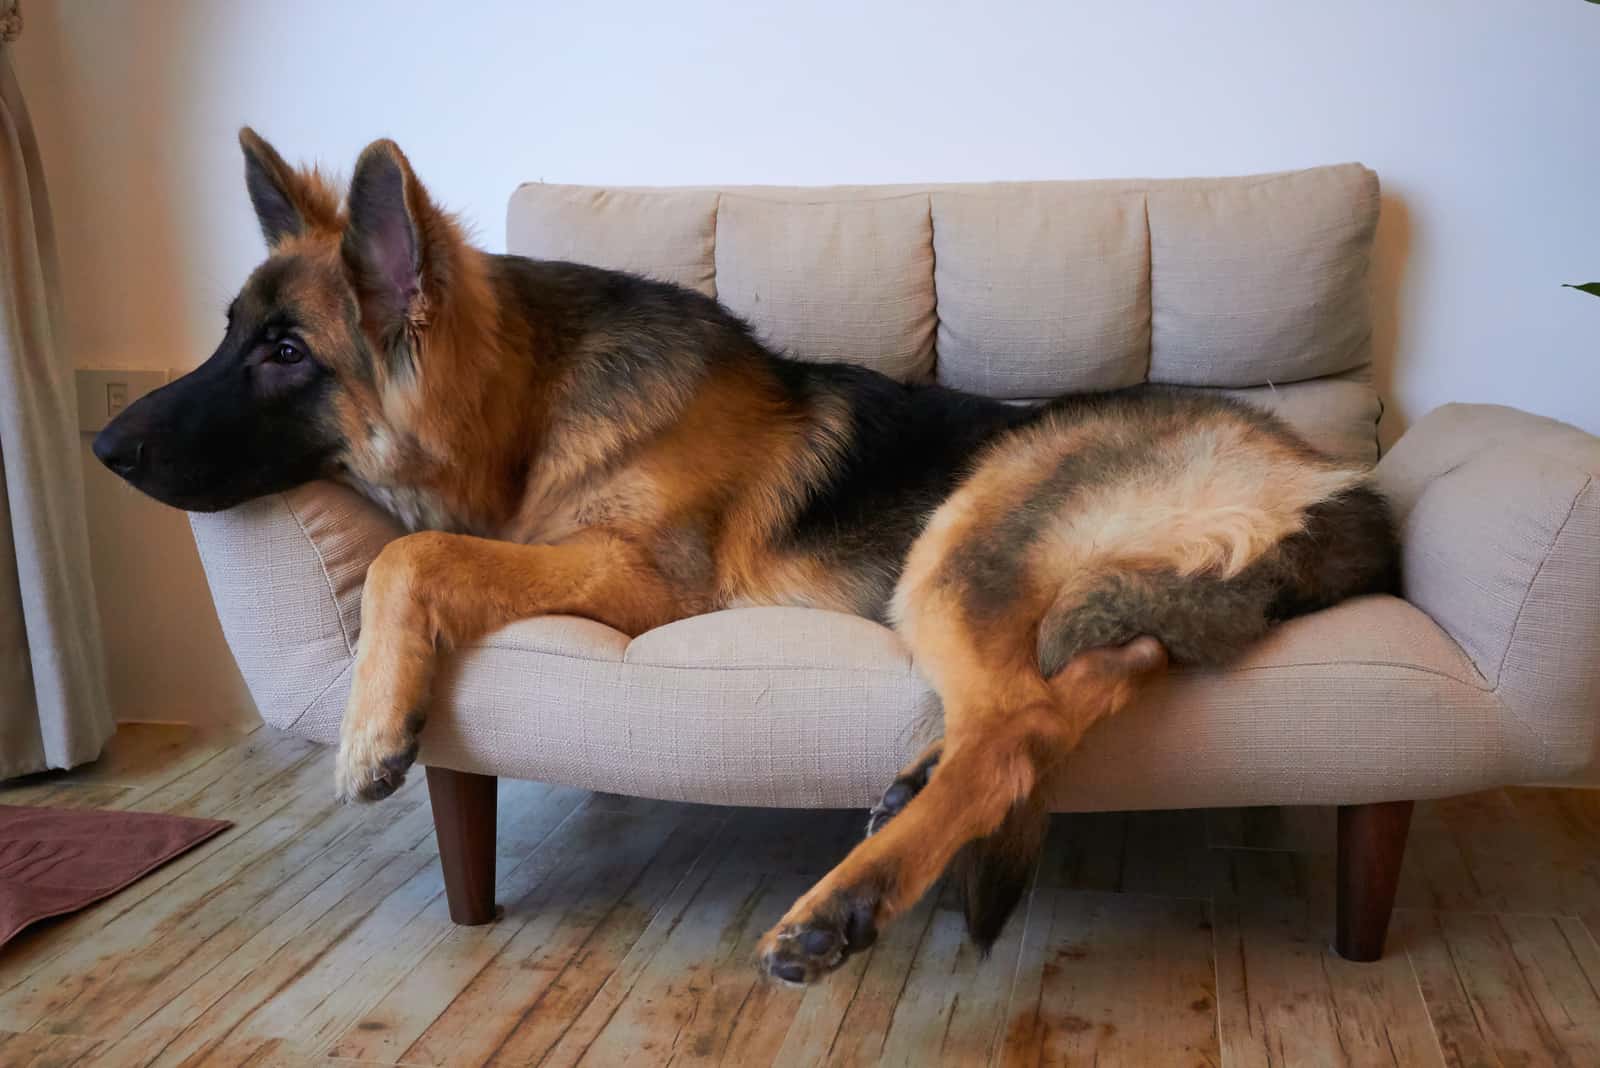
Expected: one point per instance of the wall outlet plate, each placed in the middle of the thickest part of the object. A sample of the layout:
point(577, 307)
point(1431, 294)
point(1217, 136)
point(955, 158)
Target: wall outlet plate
point(103, 393)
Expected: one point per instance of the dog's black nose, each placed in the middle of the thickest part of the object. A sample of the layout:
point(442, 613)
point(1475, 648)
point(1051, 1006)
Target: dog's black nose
point(121, 454)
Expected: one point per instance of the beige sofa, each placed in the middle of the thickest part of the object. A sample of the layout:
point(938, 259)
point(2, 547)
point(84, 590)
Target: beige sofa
point(1488, 672)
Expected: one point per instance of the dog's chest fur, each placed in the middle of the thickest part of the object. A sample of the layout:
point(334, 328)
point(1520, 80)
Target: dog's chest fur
point(415, 509)
point(386, 469)
point(388, 475)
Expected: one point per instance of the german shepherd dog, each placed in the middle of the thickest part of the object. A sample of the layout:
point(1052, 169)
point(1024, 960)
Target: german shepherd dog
point(564, 439)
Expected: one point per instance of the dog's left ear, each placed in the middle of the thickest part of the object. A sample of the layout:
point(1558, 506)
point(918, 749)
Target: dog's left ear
point(386, 242)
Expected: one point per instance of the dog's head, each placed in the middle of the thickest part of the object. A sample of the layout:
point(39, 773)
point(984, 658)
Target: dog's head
point(321, 343)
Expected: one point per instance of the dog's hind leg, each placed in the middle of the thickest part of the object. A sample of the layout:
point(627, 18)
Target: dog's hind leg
point(430, 591)
point(1041, 596)
point(994, 755)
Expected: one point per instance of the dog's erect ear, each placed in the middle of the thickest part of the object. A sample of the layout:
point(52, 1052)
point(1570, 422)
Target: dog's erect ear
point(385, 244)
point(287, 202)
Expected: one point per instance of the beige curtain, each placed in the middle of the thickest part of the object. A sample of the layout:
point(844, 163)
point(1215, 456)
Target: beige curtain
point(54, 710)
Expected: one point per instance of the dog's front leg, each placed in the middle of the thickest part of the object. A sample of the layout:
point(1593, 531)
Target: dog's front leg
point(432, 591)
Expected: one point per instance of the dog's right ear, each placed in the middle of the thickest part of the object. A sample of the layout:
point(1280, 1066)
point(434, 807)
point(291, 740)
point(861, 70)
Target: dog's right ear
point(288, 203)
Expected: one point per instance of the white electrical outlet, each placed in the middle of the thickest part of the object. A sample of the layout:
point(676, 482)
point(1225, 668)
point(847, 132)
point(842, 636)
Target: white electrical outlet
point(102, 394)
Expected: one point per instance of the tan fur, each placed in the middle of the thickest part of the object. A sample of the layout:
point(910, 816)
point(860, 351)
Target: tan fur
point(432, 590)
point(1221, 499)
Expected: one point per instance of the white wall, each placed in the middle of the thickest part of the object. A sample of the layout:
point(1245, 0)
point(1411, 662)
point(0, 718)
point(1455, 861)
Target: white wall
point(1480, 118)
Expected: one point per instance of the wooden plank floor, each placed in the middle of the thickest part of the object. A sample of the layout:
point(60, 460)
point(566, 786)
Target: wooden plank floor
point(316, 934)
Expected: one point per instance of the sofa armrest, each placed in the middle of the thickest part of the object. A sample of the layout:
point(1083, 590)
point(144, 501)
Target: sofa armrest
point(1499, 515)
point(286, 573)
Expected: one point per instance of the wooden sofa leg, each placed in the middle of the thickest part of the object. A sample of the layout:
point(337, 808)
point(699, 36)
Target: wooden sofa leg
point(1372, 843)
point(463, 819)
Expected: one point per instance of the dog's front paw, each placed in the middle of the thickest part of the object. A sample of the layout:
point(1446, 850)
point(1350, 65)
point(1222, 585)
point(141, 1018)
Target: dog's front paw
point(374, 754)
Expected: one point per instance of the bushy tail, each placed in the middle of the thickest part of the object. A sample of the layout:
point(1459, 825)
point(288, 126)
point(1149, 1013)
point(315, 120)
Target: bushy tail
point(1348, 548)
point(992, 873)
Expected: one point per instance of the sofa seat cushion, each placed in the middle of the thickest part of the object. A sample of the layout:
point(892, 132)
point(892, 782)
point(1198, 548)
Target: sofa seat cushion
point(800, 707)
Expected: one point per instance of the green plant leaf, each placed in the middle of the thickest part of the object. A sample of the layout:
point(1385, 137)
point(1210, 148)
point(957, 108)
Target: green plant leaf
point(1592, 288)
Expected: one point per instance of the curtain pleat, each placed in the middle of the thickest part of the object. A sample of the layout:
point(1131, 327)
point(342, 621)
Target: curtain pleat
point(54, 708)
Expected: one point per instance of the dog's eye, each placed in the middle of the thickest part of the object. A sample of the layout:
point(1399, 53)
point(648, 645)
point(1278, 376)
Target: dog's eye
point(287, 352)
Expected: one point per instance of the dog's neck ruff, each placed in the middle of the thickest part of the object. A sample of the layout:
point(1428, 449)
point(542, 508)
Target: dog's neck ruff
point(413, 508)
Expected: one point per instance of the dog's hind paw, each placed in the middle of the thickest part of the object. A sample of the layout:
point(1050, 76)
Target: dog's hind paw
point(907, 785)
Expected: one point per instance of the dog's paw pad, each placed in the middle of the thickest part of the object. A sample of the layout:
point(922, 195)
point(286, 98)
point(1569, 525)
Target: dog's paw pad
point(899, 795)
point(806, 951)
point(804, 954)
point(888, 807)
point(375, 777)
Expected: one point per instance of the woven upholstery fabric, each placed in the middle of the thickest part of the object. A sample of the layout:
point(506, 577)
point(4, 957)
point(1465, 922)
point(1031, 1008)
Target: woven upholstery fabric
point(1501, 536)
point(1337, 414)
point(844, 281)
point(292, 616)
point(1018, 290)
point(1043, 291)
point(667, 235)
point(1262, 281)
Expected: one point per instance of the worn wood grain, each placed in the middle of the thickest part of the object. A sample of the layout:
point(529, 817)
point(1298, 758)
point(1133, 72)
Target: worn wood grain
point(136, 761)
point(51, 791)
point(247, 995)
point(861, 1032)
point(564, 1021)
point(315, 934)
point(1287, 999)
point(952, 1009)
point(1122, 979)
point(685, 1002)
point(19, 1050)
point(741, 863)
point(478, 986)
point(1483, 1006)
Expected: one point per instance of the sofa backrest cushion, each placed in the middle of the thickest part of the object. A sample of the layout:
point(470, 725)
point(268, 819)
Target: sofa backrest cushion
point(1023, 290)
